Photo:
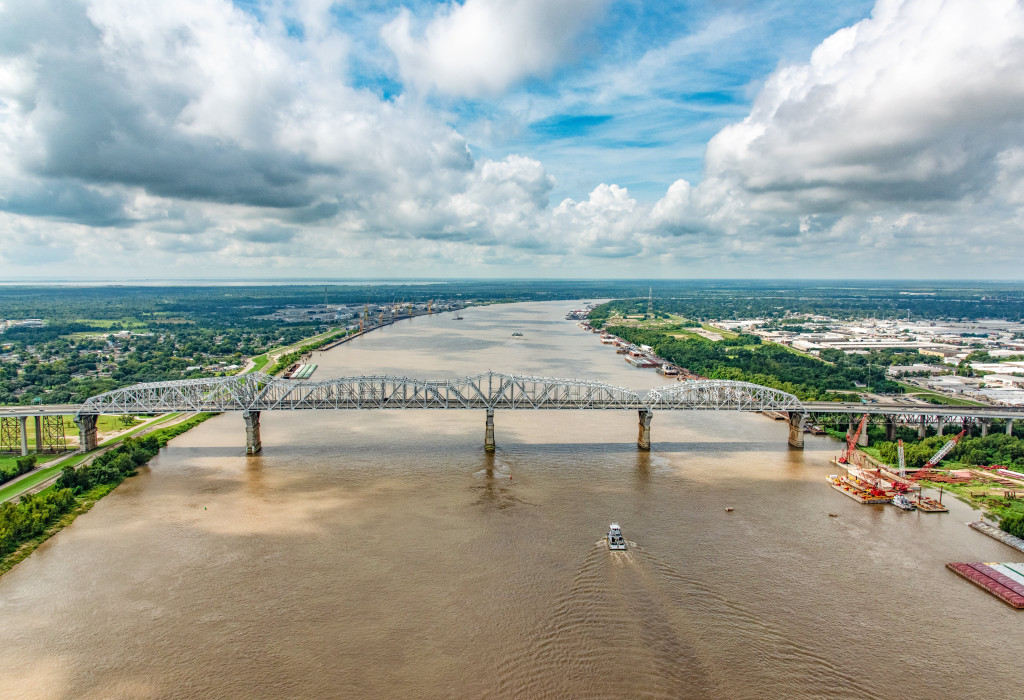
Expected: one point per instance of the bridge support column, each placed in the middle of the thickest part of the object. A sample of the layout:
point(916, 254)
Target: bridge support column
point(489, 431)
point(890, 429)
point(984, 427)
point(87, 439)
point(24, 434)
point(643, 439)
point(796, 430)
point(940, 421)
point(863, 439)
point(253, 445)
point(922, 429)
point(1009, 426)
point(39, 433)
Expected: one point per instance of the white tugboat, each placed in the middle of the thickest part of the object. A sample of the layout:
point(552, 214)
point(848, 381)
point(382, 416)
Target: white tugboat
point(902, 502)
point(615, 538)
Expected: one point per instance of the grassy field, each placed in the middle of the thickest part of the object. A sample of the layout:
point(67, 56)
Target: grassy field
point(726, 335)
point(108, 322)
point(971, 494)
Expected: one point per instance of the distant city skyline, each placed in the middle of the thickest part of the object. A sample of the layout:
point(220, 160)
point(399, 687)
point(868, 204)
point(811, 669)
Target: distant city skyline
point(579, 139)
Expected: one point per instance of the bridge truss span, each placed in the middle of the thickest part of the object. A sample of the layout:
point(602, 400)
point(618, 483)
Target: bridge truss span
point(722, 395)
point(251, 394)
point(489, 390)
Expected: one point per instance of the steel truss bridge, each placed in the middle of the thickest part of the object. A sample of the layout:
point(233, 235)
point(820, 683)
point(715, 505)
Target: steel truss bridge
point(254, 393)
point(490, 390)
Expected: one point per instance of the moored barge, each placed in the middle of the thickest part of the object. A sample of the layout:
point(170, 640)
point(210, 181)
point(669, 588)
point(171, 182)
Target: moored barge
point(1004, 581)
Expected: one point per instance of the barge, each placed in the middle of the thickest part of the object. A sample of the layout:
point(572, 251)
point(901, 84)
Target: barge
point(1001, 535)
point(1004, 581)
point(298, 371)
point(856, 489)
point(930, 505)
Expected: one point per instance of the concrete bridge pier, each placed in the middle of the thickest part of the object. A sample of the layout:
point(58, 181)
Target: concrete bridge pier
point(643, 439)
point(796, 430)
point(39, 433)
point(253, 445)
point(862, 440)
point(940, 421)
point(24, 434)
point(984, 427)
point(1009, 426)
point(489, 431)
point(922, 429)
point(890, 429)
point(87, 437)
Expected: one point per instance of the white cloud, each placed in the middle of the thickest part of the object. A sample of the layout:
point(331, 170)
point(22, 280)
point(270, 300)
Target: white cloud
point(604, 225)
point(484, 46)
point(901, 129)
point(202, 138)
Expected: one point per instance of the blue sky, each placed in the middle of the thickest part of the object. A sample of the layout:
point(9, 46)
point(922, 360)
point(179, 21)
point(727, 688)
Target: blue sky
point(505, 138)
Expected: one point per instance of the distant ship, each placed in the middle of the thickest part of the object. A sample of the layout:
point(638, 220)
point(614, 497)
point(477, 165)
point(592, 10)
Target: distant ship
point(458, 317)
point(517, 334)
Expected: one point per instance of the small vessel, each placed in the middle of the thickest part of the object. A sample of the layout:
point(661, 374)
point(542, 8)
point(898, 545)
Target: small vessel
point(615, 538)
point(517, 334)
point(902, 502)
point(458, 317)
point(729, 509)
point(833, 515)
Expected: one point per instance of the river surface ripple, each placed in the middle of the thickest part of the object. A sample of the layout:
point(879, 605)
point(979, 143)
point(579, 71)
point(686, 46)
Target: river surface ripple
point(384, 554)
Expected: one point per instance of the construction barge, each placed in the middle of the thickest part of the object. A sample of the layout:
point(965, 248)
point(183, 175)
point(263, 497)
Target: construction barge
point(856, 489)
point(1004, 581)
point(878, 487)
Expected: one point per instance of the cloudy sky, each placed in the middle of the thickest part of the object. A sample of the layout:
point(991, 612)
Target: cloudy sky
point(513, 138)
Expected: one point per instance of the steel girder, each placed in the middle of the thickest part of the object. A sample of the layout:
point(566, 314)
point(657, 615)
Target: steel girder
point(260, 392)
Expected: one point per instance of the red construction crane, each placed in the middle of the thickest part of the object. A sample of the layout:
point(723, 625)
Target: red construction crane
point(851, 441)
point(944, 450)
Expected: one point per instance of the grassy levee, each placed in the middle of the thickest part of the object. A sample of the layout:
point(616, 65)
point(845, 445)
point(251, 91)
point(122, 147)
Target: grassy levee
point(87, 499)
point(259, 362)
point(17, 487)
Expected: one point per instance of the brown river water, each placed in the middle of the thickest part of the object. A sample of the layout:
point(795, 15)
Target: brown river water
point(384, 554)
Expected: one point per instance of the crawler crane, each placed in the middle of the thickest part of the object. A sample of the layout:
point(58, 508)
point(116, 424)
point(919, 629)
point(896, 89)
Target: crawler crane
point(851, 442)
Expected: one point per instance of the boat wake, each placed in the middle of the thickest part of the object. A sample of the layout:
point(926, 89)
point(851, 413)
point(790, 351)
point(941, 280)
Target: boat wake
point(611, 634)
point(632, 625)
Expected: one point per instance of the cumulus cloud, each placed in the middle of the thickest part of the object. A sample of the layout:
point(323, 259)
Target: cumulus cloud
point(915, 103)
point(217, 138)
point(899, 127)
point(484, 46)
point(603, 225)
